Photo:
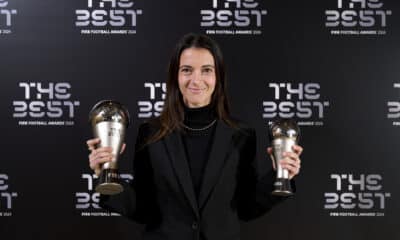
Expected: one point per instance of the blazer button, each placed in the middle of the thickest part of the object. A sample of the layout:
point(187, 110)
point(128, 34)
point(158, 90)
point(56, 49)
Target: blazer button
point(195, 225)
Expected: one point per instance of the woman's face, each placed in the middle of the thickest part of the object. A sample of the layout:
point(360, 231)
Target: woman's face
point(196, 77)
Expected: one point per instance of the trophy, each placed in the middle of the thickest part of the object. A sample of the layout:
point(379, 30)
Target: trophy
point(284, 133)
point(109, 120)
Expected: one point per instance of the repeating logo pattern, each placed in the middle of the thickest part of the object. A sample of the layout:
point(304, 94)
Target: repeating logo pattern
point(7, 197)
point(358, 17)
point(233, 17)
point(357, 196)
point(108, 17)
point(152, 106)
point(394, 107)
point(7, 16)
point(45, 104)
point(87, 201)
point(301, 101)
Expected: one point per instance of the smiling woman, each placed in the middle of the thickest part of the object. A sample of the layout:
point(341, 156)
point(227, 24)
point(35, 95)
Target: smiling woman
point(195, 170)
point(196, 77)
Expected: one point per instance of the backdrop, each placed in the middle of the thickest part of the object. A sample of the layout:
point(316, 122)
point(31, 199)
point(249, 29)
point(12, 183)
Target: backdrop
point(333, 65)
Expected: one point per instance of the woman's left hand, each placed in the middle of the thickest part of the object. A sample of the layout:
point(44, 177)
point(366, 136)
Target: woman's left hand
point(290, 161)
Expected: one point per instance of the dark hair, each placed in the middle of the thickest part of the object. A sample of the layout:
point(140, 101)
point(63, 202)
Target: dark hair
point(172, 115)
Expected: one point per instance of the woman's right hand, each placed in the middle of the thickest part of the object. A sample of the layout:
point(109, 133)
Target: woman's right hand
point(99, 156)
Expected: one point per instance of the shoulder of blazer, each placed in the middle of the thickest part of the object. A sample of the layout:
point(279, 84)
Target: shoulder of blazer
point(145, 131)
point(150, 127)
point(244, 135)
point(244, 129)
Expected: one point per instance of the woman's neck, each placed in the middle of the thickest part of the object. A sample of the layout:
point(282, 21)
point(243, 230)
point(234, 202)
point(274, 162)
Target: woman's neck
point(198, 117)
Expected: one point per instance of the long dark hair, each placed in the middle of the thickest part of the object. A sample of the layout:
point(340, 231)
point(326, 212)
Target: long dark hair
point(172, 116)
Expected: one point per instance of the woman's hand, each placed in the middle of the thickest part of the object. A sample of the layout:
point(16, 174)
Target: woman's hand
point(290, 161)
point(99, 156)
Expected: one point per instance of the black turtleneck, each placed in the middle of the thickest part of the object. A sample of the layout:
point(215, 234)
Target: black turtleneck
point(198, 142)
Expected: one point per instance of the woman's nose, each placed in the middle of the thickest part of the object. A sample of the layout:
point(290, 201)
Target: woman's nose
point(196, 77)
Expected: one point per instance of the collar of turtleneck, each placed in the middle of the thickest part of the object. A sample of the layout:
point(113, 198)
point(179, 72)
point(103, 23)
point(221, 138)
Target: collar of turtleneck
point(199, 117)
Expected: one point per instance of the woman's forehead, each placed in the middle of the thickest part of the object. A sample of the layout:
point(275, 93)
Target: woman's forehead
point(196, 56)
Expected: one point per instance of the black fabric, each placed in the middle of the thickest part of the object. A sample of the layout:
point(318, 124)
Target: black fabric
point(198, 143)
point(162, 195)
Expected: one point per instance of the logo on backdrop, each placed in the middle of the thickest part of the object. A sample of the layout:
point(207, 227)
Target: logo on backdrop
point(233, 17)
point(301, 101)
point(358, 17)
point(7, 16)
point(45, 104)
point(87, 201)
point(7, 197)
point(394, 107)
point(153, 105)
point(356, 196)
point(108, 17)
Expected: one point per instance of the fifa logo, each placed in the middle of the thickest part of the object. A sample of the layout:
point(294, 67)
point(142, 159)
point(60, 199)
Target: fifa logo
point(6, 197)
point(6, 16)
point(115, 13)
point(357, 13)
point(394, 107)
point(154, 105)
point(363, 192)
point(227, 13)
point(302, 101)
point(89, 200)
point(50, 100)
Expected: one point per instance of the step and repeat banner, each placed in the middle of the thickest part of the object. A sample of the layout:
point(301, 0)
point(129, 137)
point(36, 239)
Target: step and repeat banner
point(333, 65)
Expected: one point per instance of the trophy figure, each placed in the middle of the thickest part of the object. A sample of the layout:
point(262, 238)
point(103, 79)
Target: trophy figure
point(284, 133)
point(109, 120)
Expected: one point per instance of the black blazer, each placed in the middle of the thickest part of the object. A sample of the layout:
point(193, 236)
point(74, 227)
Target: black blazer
point(162, 196)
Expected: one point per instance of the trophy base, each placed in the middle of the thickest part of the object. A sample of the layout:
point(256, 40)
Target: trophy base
point(108, 182)
point(282, 187)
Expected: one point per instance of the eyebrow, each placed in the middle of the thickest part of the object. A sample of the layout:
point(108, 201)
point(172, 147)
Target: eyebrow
point(185, 66)
point(209, 65)
point(204, 66)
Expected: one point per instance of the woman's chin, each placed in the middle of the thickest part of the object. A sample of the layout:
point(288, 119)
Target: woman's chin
point(196, 104)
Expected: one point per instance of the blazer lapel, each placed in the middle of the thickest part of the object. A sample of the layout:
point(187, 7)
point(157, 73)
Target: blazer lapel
point(219, 149)
point(179, 162)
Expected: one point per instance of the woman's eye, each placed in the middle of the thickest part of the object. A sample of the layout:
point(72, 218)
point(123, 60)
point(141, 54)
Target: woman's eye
point(185, 70)
point(207, 70)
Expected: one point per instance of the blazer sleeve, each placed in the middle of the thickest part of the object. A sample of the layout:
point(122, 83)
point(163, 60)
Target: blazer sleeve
point(254, 188)
point(138, 198)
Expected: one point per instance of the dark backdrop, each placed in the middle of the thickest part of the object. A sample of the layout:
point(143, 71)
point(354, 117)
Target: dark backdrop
point(333, 63)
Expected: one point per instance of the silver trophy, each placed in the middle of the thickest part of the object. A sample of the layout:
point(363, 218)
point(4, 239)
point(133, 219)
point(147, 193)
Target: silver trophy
point(284, 133)
point(109, 120)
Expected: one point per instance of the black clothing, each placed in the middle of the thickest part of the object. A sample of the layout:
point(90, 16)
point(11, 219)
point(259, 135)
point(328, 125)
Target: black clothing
point(198, 143)
point(162, 195)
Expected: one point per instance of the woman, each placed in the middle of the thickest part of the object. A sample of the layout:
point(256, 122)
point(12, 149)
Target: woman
point(194, 172)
